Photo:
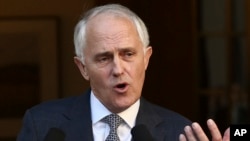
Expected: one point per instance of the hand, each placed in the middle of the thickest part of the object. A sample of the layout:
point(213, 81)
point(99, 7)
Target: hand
point(195, 133)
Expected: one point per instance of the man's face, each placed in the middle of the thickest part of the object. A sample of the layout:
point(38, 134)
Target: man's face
point(115, 61)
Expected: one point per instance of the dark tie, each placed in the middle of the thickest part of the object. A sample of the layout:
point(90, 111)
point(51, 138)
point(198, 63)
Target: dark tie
point(113, 120)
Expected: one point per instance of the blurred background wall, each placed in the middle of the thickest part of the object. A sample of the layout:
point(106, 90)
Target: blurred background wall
point(199, 68)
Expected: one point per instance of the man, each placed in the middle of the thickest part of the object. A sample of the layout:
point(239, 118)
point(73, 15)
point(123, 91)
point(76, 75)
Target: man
point(112, 53)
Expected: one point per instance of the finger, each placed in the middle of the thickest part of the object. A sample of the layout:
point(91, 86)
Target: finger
point(216, 135)
point(189, 133)
point(226, 136)
point(182, 137)
point(199, 132)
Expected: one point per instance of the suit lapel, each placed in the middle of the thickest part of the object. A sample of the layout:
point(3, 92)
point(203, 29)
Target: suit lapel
point(78, 127)
point(148, 117)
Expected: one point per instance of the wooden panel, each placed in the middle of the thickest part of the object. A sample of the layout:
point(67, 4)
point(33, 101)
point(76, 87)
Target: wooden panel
point(248, 50)
point(28, 68)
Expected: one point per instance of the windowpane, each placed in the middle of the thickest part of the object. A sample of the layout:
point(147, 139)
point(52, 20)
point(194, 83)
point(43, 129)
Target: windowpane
point(216, 52)
point(212, 15)
point(239, 61)
point(238, 11)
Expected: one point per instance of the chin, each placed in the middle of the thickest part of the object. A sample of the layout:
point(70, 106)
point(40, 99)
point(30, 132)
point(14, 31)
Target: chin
point(126, 105)
point(123, 103)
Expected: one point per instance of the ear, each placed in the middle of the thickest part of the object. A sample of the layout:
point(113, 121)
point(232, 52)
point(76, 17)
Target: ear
point(147, 56)
point(81, 67)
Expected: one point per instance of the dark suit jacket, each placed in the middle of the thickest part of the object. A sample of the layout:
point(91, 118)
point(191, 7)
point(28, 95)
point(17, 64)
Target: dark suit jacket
point(73, 117)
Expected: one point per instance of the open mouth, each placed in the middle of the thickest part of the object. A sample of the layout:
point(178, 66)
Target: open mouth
point(121, 88)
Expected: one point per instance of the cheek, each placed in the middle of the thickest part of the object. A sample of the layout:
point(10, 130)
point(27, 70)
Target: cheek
point(138, 69)
point(98, 76)
point(137, 75)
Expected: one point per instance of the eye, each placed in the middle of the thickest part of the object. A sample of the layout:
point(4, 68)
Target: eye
point(129, 53)
point(103, 59)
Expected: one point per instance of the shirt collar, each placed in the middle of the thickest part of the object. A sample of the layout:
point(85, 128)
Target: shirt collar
point(99, 111)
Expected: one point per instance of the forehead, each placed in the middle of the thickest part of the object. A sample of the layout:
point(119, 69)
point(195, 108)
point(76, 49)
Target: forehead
point(105, 32)
point(107, 24)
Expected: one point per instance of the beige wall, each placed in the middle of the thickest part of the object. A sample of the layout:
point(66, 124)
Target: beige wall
point(68, 12)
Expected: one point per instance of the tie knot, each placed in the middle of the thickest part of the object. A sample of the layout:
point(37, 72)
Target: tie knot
point(113, 120)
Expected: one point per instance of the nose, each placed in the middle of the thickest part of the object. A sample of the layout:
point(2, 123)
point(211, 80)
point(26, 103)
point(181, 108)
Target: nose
point(117, 67)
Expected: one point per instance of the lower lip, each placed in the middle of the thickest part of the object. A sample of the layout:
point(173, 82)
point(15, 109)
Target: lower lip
point(121, 90)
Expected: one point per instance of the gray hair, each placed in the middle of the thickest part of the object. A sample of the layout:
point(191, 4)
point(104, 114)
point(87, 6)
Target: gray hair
point(115, 9)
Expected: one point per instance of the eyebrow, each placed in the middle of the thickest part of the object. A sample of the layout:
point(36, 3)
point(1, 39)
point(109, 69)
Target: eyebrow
point(127, 49)
point(107, 53)
point(110, 53)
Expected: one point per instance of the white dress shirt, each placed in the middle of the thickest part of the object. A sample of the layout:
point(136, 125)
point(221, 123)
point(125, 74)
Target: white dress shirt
point(101, 129)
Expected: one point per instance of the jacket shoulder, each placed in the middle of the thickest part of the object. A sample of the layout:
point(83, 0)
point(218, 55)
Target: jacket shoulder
point(164, 124)
point(54, 105)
